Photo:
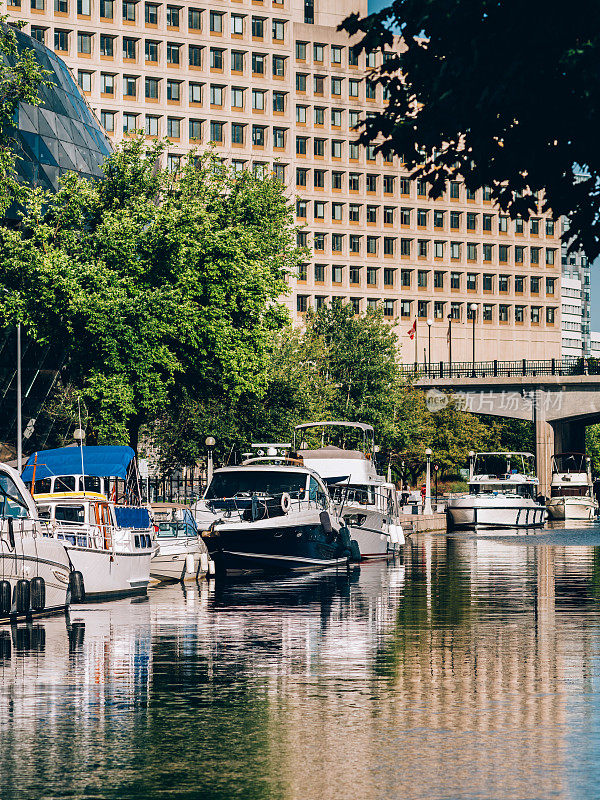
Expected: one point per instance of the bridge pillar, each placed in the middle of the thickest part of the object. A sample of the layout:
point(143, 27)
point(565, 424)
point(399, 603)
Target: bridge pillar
point(544, 444)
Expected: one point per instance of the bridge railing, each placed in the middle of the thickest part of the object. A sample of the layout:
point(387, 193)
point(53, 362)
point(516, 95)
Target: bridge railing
point(503, 369)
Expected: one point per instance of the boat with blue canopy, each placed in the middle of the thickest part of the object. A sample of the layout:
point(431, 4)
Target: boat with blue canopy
point(89, 498)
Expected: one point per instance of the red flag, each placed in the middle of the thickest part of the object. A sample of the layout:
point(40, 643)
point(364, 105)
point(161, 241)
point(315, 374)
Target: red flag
point(413, 330)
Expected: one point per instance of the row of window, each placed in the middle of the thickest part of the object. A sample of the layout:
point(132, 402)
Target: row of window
point(406, 217)
point(472, 250)
point(441, 310)
point(351, 88)
point(469, 281)
point(354, 58)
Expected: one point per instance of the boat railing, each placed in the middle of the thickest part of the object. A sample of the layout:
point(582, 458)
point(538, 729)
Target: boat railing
point(371, 497)
point(264, 505)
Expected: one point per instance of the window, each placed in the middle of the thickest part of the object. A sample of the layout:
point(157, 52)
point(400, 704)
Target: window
point(550, 229)
point(301, 303)
point(388, 276)
point(301, 145)
point(471, 221)
point(519, 313)
point(388, 215)
point(278, 102)
point(519, 284)
point(129, 122)
point(216, 22)
point(371, 276)
point(258, 136)
point(216, 58)
point(194, 19)
point(470, 194)
point(301, 208)
point(301, 176)
point(471, 281)
point(354, 243)
point(320, 272)
point(151, 14)
point(237, 133)
point(151, 51)
point(405, 247)
point(336, 54)
point(195, 129)
point(172, 17)
point(237, 97)
point(237, 25)
point(503, 253)
point(318, 86)
point(503, 224)
point(471, 252)
point(319, 147)
point(535, 315)
point(438, 249)
point(503, 313)
point(258, 27)
point(279, 137)
point(438, 309)
point(455, 220)
point(488, 311)
point(318, 52)
point(300, 82)
point(550, 257)
point(173, 128)
point(487, 222)
point(84, 43)
point(423, 246)
point(107, 9)
point(455, 280)
point(195, 93)
point(216, 132)
point(128, 11)
point(388, 184)
point(438, 280)
point(372, 245)
point(217, 95)
point(301, 51)
point(309, 12)
point(194, 55)
point(370, 90)
point(421, 218)
point(319, 178)
point(550, 315)
point(258, 99)
point(336, 180)
point(84, 79)
point(337, 211)
point(519, 225)
point(422, 276)
point(534, 225)
point(487, 252)
point(173, 91)
point(422, 308)
point(534, 255)
point(389, 244)
point(438, 219)
point(471, 312)
point(405, 308)
point(129, 86)
point(354, 182)
point(151, 126)
point(550, 285)
point(278, 30)
point(519, 251)
point(454, 190)
point(172, 53)
point(279, 66)
point(337, 273)
point(455, 250)
point(372, 183)
point(353, 151)
point(129, 48)
point(39, 34)
point(354, 212)
point(83, 8)
point(336, 86)
point(503, 283)
point(107, 120)
point(488, 283)
point(534, 284)
point(353, 87)
point(455, 310)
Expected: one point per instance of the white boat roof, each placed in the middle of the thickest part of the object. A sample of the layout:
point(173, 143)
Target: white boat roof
point(505, 453)
point(330, 451)
point(340, 423)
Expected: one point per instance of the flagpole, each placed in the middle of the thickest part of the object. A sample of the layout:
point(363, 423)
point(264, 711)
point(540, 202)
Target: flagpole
point(416, 345)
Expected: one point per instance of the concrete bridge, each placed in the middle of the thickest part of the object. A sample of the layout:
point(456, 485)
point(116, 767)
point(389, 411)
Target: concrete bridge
point(561, 397)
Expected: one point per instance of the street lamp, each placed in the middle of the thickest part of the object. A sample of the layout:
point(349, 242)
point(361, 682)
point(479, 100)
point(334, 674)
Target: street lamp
point(429, 324)
point(210, 443)
point(473, 308)
point(427, 507)
point(19, 430)
point(450, 343)
point(471, 464)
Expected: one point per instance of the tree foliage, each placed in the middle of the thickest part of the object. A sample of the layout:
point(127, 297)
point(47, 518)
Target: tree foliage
point(160, 287)
point(502, 93)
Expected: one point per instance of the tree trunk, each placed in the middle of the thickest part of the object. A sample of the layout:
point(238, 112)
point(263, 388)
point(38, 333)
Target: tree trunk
point(133, 428)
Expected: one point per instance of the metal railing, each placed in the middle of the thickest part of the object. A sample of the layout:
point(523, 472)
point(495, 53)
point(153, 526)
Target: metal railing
point(256, 507)
point(503, 369)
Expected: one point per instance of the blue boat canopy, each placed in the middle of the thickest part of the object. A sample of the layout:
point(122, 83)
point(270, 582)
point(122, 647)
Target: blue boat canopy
point(101, 462)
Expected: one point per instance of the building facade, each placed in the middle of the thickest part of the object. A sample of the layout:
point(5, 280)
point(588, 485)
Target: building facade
point(274, 86)
point(576, 302)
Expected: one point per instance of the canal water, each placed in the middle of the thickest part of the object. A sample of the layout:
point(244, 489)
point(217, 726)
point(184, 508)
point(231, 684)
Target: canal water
point(470, 669)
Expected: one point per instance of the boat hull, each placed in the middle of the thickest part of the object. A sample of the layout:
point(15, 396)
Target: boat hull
point(179, 560)
point(111, 574)
point(300, 547)
point(375, 535)
point(495, 512)
point(32, 557)
point(582, 508)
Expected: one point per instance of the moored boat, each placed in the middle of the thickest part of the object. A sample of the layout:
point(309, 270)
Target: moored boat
point(345, 459)
point(502, 493)
point(90, 501)
point(273, 517)
point(34, 569)
point(181, 553)
point(571, 490)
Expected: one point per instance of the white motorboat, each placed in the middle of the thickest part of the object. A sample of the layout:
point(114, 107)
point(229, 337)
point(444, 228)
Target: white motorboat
point(34, 569)
point(181, 554)
point(503, 492)
point(571, 490)
point(273, 517)
point(90, 501)
point(343, 453)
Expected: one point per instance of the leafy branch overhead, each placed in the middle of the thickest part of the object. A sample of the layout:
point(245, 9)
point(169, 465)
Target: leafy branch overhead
point(503, 93)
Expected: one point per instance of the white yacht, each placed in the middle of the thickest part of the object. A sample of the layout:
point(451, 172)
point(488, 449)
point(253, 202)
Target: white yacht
point(273, 515)
point(34, 569)
point(181, 553)
point(343, 453)
point(571, 490)
point(90, 500)
point(503, 492)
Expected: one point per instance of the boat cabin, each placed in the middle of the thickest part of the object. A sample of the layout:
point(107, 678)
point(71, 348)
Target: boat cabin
point(338, 451)
point(571, 475)
point(173, 520)
point(503, 473)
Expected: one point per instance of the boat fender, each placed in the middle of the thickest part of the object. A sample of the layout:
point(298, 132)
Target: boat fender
point(5, 597)
point(38, 594)
point(22, 596)
point(325, 520)
point(11, 533)
point(76, 586)
point(355, 555)
point(189, 564)
point(211, 567)
point(203, 564)
point(5, 645)
point(345, 537)
point(286, 502)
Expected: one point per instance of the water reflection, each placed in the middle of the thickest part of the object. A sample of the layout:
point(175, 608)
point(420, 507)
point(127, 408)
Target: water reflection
point(470, 670)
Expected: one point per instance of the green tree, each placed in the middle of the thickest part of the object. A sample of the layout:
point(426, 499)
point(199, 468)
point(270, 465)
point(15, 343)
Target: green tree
point(161, 287)
point(20, 78)
point(470, 87)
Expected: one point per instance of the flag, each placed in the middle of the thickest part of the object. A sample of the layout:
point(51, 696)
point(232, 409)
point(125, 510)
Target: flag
point(413, 330)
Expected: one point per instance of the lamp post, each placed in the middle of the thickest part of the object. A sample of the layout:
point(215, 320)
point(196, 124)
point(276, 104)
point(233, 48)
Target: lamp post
point(473, 308)
point(450, 342)
point(429, 324)
point(471, 464)
point(427, 507)
point(19, 431)
point(210, 443)
point(435, 472)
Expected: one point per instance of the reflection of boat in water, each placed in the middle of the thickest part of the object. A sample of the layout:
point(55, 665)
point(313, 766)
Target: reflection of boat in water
point(571, 490)
point(343, 453)
point(502, 493)
point(34, 569)
point(110, 543)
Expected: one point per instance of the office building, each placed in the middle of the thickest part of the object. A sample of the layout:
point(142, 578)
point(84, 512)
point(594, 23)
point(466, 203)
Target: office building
point(275, 87)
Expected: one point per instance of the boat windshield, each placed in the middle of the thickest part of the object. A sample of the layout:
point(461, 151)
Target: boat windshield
point(502, 464)
point(12, 502)
point(246, 482)
point(521, 489)
point(570, 463)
